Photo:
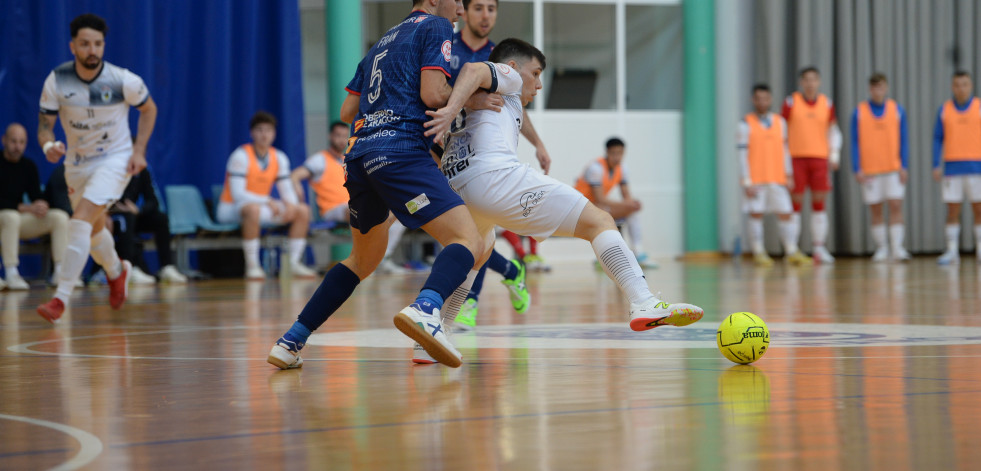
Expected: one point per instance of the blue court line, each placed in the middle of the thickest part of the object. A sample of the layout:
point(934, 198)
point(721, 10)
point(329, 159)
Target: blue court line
point(34, 452)
point(506, 416)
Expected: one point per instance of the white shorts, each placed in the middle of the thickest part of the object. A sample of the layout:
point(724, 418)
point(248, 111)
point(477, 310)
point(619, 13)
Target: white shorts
point(523, 201)
point(100, 181)
point(338, 213)
point(956, 186)
point(231, 213)
point(879, 188)
point(770, 198)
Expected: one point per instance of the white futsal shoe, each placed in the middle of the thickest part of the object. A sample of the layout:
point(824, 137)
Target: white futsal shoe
point(171, 274)
point(881, 255)
point(255, 274)
point(900, 254)
point(950, 257)
point(300, 270)
point(421, 322)
point(285, 355)
point(420, 357)
point(655, 313)
point(821, 255)
point(139, 277)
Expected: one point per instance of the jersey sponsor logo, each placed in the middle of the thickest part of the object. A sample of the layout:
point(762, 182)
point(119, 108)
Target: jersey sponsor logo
point(378, 118)
point(529, 200)
point(447, 50)
point(417, 203)
point(91, 127)
point(69, 95)
point(387, 39)
point(358, 125)
point(376, 163)
point(420, 18)
point(454, 167)
point(503, 68)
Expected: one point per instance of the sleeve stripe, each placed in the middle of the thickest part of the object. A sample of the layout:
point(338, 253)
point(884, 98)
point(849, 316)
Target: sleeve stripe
point(237, 175)
point(437, 68)
point(493, 87)
point(283, 177)
point(144, 101)
point(49, 112)
point(352, 91)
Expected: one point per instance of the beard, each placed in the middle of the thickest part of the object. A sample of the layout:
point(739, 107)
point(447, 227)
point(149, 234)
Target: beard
point(92, 65)
point(475, 30)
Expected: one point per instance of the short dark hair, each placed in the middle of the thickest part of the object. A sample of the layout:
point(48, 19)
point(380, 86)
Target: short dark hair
point(513, 48)
point(614, 142)
point(90, 21)
point(338, 123)
point(261, 117)
point(807, 69)
point(962, 73)
point(878, 78)
point(761, 87)
point(466, 4)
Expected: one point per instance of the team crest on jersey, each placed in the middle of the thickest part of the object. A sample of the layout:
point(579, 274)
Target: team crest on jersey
point(106, 93)
point(503, 68)
point(447, 50)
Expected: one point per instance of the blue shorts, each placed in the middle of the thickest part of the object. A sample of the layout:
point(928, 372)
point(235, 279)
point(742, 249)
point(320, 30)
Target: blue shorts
point(410, 185)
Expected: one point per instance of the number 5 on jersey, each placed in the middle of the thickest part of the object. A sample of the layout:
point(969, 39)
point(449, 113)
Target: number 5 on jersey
point(376, 75)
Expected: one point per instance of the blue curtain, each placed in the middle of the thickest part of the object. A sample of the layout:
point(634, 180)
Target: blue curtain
point(209, 66)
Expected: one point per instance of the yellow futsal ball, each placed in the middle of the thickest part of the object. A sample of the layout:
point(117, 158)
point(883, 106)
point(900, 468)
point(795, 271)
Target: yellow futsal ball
point(743, 337)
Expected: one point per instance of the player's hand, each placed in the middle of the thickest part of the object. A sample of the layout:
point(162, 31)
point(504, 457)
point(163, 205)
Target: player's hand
point(482, 100)
point(137, 162)
point(833, 166)
point(938, 173)
point(543, 158)
point(903, 176)
point(275, 208)
point(439, 125)
point(39, 208)
point(130, 207)
point(790, 183)
point(751, 191)
point(634, 205)
point(55, 152)
point(860, 178)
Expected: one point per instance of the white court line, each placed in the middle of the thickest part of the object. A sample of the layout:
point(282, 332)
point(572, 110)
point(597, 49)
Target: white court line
point(91, 446)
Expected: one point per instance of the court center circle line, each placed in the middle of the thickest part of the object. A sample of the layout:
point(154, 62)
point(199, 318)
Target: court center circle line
point(91, 446)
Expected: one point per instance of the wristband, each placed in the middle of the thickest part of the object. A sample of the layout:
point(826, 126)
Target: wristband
point(48, 145)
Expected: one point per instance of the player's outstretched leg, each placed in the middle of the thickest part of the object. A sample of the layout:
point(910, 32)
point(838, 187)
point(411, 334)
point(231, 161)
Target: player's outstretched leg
point(452, 306)
point(620, 264)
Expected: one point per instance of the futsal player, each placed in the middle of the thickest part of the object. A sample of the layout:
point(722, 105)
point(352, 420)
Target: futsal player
point(484, 169)
point(880, 153)
point(92, 98)
point(389, 168)
point(815, 146)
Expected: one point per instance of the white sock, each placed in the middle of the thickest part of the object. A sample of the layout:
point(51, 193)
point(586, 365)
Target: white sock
point(104, 253)
point(636, 233)
point(977, 237)
point(789, 231)
point(76, 254)
point(251, 249)
point(819, 227)
point(953, 232)
point(756, 235)
point(11, 271)
point(897, 232)
point(297, 246)
point(453, 304)
point(620, 264)
point(394, 236)
point(879, 235)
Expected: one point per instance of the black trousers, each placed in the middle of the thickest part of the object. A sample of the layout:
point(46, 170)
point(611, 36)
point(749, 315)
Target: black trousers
point(128, 226)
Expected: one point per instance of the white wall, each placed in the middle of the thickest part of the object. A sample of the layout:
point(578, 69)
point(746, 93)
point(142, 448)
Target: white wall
point(654, 158)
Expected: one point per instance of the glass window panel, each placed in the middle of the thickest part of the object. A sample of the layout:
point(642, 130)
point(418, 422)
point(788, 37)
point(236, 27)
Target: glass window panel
point(655, 67)
point(314, 41)
point(580, 50)
point(514, 20)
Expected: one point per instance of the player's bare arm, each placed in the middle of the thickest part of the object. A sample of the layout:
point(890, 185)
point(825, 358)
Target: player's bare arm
point(297, 176)
point(45, 135)
point(528, 130)
point(349, 109)
point(482, 100)
point(144, 128)
point(433, 88)
point(473, 76)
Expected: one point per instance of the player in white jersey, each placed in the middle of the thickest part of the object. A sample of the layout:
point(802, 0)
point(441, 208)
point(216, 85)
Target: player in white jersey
point(92, 98)
point(481, 162)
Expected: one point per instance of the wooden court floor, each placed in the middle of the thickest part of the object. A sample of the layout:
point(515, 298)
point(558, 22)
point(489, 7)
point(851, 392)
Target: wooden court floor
point(871, 366)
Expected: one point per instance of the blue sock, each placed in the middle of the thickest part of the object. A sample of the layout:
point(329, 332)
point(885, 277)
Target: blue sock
point(336, 287)
point(449, 270)
point(498, 263)
point(478, 283)
point(297, 334)
point(431, 297)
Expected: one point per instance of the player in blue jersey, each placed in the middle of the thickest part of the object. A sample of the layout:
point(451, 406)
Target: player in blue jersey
point(471, 44)
point(389, 168)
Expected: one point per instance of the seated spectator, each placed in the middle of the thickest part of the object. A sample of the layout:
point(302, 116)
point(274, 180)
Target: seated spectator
point(138, 211)
point(325, 169)
point(247, 197)
point(598, 180)
point(20, 220)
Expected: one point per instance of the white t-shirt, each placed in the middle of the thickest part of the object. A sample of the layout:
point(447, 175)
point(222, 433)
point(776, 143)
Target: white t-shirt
point(594, 174)
point(238, 167)
point(482, 141)
point(317, 165)
point(94, 115)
